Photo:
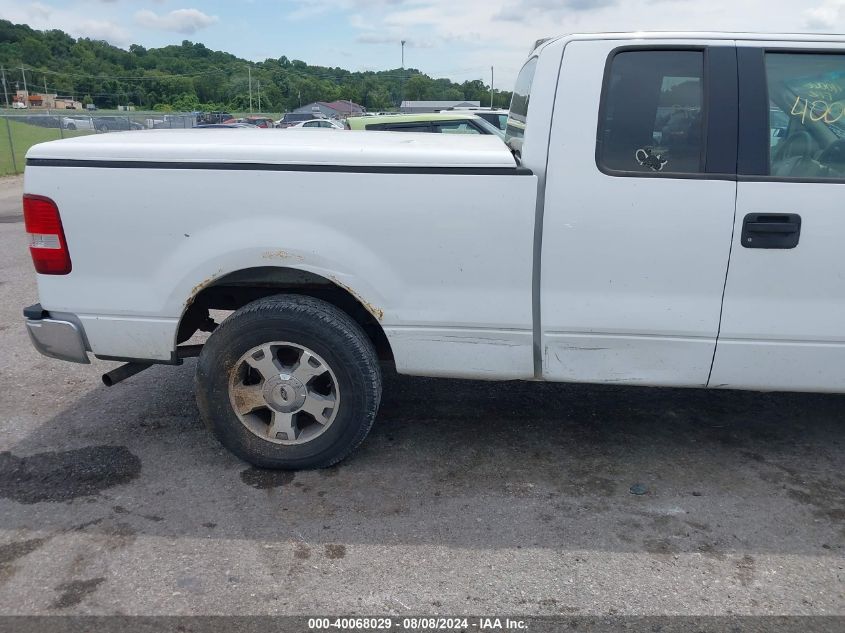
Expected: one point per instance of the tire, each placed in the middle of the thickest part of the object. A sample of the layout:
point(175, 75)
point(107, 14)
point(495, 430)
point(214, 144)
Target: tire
point(71, 126)
point(288, 325)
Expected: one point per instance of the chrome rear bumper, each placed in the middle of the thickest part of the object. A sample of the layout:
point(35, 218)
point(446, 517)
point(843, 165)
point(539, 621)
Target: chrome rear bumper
point(54, 337)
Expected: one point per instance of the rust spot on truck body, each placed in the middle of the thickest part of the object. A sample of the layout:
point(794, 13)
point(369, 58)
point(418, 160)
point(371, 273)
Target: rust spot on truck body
point(377, 312)
point(200, 286)
point(280, 254)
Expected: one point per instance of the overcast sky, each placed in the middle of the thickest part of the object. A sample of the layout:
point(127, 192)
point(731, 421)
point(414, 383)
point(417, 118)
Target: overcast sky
point(459, 39)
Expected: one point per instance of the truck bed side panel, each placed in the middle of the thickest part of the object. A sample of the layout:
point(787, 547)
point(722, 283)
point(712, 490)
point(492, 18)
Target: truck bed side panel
point(443, 260)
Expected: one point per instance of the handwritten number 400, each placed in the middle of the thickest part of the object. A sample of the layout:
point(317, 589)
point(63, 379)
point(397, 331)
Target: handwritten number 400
point(817, 110)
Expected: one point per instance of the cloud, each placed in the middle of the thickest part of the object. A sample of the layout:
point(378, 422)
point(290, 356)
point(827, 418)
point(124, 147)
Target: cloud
point(472, 35)
point(103, 30)
point(186, 21)
point(307, 11)
point(39, 11)
point(526, 9)
point(825, 16)
point(312, 8)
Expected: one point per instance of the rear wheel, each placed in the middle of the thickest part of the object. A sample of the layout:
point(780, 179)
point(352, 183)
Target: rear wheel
point(289, 382)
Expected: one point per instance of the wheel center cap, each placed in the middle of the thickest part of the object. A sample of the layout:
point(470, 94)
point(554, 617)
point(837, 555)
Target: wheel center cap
point(284, 393)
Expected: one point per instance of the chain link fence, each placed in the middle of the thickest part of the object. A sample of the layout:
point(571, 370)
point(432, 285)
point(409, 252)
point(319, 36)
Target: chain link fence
point(19, 131)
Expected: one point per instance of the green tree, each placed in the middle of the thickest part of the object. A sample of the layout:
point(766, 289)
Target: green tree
point(186, 102)
point(34, 51)
point(418, 88)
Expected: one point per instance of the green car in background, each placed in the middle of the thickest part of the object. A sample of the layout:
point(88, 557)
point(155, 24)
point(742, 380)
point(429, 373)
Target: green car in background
point(452, 122)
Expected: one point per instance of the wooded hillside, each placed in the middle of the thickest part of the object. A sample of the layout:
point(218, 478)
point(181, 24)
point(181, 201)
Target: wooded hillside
point(192, 77)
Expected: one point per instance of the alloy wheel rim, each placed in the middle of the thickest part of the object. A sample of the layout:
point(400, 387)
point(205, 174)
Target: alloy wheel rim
point(284, 392)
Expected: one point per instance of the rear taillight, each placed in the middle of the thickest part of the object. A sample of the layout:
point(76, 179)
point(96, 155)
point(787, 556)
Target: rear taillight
point(46, 237)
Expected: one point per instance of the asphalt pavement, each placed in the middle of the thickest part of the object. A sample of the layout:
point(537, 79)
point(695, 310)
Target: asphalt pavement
point(467, 498)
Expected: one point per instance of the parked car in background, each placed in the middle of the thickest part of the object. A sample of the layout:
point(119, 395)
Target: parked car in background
point(243, 121)
point(205, 118)
point(452, 122)
point(260, 121)
point(292, 118)
point(78, 123)
point(324, 124)
point(495, 116)
point(116, 123)
point(171, 121)
point(43, 120)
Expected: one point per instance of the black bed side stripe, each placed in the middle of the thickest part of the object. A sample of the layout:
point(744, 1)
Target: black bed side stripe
point(355, 169)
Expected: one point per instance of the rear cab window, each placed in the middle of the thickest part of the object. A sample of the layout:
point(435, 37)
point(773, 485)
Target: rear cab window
point(652, 113)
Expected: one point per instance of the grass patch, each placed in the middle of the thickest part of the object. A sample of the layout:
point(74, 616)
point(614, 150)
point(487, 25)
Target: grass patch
point(24, 136)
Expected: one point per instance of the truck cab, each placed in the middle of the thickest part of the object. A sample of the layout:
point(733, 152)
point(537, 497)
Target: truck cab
point(688, 192)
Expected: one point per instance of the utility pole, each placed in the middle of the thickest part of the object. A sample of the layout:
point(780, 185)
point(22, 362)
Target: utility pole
point(258, 85)
point(5, 91)
point(23, 72)
point(402, 80)
point(249, 71)
point(491, 87)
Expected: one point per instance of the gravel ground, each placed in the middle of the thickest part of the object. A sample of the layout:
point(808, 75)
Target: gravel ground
point(467, 498)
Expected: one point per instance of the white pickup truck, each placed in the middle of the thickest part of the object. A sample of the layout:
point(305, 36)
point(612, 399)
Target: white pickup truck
point(667, 210)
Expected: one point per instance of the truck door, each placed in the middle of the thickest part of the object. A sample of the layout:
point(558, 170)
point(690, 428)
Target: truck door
point(783, 321)
point(639, 210)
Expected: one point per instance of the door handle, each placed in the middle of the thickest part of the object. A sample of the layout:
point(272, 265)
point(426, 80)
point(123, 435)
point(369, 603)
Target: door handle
point(771, 230)
point(772, 227)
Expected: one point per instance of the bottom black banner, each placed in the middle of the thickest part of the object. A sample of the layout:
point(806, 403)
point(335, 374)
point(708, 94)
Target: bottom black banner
point(422, 624)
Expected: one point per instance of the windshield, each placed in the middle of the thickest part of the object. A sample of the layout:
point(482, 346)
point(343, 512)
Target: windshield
point(518, 115)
